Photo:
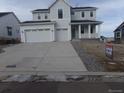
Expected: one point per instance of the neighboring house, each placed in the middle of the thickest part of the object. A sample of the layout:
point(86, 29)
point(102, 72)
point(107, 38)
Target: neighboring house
point(61, 22)
point(119, 34)
point(106, 39)
point(9, 26)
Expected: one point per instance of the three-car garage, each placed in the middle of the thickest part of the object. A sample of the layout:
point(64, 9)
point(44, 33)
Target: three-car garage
point(39, 32)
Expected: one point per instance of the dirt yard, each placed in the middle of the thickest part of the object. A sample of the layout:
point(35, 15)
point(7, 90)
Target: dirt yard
point(97, 49)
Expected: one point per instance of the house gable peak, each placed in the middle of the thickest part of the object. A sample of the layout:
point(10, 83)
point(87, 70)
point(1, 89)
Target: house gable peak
point(58, 1)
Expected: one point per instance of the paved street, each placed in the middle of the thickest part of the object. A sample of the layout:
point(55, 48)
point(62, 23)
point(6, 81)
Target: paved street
point(59, 87)
point(54, 56)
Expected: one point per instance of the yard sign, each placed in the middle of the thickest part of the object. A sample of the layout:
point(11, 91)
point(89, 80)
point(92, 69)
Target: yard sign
point(109, 50)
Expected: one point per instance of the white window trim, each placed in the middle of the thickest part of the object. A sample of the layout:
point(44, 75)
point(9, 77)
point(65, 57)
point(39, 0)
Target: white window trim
point(117, 35)
point(60, 17)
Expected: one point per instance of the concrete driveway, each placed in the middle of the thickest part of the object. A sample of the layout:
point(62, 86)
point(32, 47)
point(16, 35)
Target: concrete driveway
point(54, 56)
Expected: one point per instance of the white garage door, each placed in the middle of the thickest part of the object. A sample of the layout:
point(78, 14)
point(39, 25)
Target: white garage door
point(62, 35)
point(44, 35)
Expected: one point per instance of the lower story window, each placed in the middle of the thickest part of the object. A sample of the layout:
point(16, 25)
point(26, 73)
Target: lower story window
point(118, 34)
point(9, 31)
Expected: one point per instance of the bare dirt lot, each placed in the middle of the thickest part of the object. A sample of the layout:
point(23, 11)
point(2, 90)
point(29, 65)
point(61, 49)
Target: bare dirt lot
point(96, 50)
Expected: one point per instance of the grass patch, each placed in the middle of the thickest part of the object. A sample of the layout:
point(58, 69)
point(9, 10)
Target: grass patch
point(97, 50)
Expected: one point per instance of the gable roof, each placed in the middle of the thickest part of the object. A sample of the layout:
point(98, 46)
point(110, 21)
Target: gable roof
point(57, 1)
point(119, 27)
point(46, 10)
point(75, 8)
point(4, 13)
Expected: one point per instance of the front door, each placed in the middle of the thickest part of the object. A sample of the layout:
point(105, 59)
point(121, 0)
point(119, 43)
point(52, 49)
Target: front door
point(75, 32)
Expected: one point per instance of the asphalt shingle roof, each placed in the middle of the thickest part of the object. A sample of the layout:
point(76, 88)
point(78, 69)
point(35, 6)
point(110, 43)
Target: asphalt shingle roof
point(119, 27)
point(36, 21)
point(85, 21)
point(84, 8)
point(4, 13)
point(38, 10)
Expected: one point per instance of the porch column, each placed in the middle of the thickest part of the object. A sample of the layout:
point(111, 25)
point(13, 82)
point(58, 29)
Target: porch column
point(99, 27)
point(69, 33)
point(89, 31)
point(79, 31)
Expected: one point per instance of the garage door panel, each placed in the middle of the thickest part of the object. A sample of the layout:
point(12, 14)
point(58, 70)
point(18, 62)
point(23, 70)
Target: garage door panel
point(62, 35)
point(38, 36)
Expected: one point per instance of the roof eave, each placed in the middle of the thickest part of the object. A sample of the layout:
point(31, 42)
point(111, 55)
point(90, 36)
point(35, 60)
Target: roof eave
point(122, 24)
point(13, 15)
point(40, 12)
point(94, 8)
point(8, 13)
point(44, 23)
point(98, 23)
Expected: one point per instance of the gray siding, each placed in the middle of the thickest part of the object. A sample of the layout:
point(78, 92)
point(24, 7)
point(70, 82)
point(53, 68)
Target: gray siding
point(11, 21)
point(42, 15)
point(78, 15)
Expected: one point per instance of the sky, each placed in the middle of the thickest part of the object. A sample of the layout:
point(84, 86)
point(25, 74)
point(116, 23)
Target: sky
point(111, 12)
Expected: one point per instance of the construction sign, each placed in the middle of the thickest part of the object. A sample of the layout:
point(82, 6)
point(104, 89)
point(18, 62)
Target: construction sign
point(109, 50)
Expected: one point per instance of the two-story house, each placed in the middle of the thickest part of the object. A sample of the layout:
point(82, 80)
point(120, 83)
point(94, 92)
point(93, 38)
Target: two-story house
point(9, 26)
point(119, 34)
point(61, 22)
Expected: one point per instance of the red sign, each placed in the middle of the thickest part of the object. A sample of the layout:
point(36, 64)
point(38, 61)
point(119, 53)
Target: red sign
point(109, 50)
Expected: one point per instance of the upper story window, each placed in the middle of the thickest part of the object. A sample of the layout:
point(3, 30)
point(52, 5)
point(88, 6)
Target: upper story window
point(9, 31)
point(46, 17)
point(91, 14)
point(83, 14)
point(39, 17)
point(60, 13)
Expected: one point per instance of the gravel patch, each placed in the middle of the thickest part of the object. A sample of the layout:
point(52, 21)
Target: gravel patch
point(90, 62)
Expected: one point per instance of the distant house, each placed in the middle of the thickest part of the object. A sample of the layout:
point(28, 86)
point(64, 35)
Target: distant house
point(9, 26)
point(106, 39)
point(119, 34)
point(61, 22)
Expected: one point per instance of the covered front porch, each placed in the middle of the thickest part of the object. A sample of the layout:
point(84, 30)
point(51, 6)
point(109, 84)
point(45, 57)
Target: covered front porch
point(85, 30)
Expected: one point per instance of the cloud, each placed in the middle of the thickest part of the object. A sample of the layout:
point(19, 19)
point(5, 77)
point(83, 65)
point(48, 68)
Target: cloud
point(23, 8)
point(110, 11)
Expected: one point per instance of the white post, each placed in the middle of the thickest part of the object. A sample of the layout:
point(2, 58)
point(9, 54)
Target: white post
point(53, 33)
point(95, 32)
point(89, 31)
point(69, 33)
point(79, 31)
point(99, 31)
